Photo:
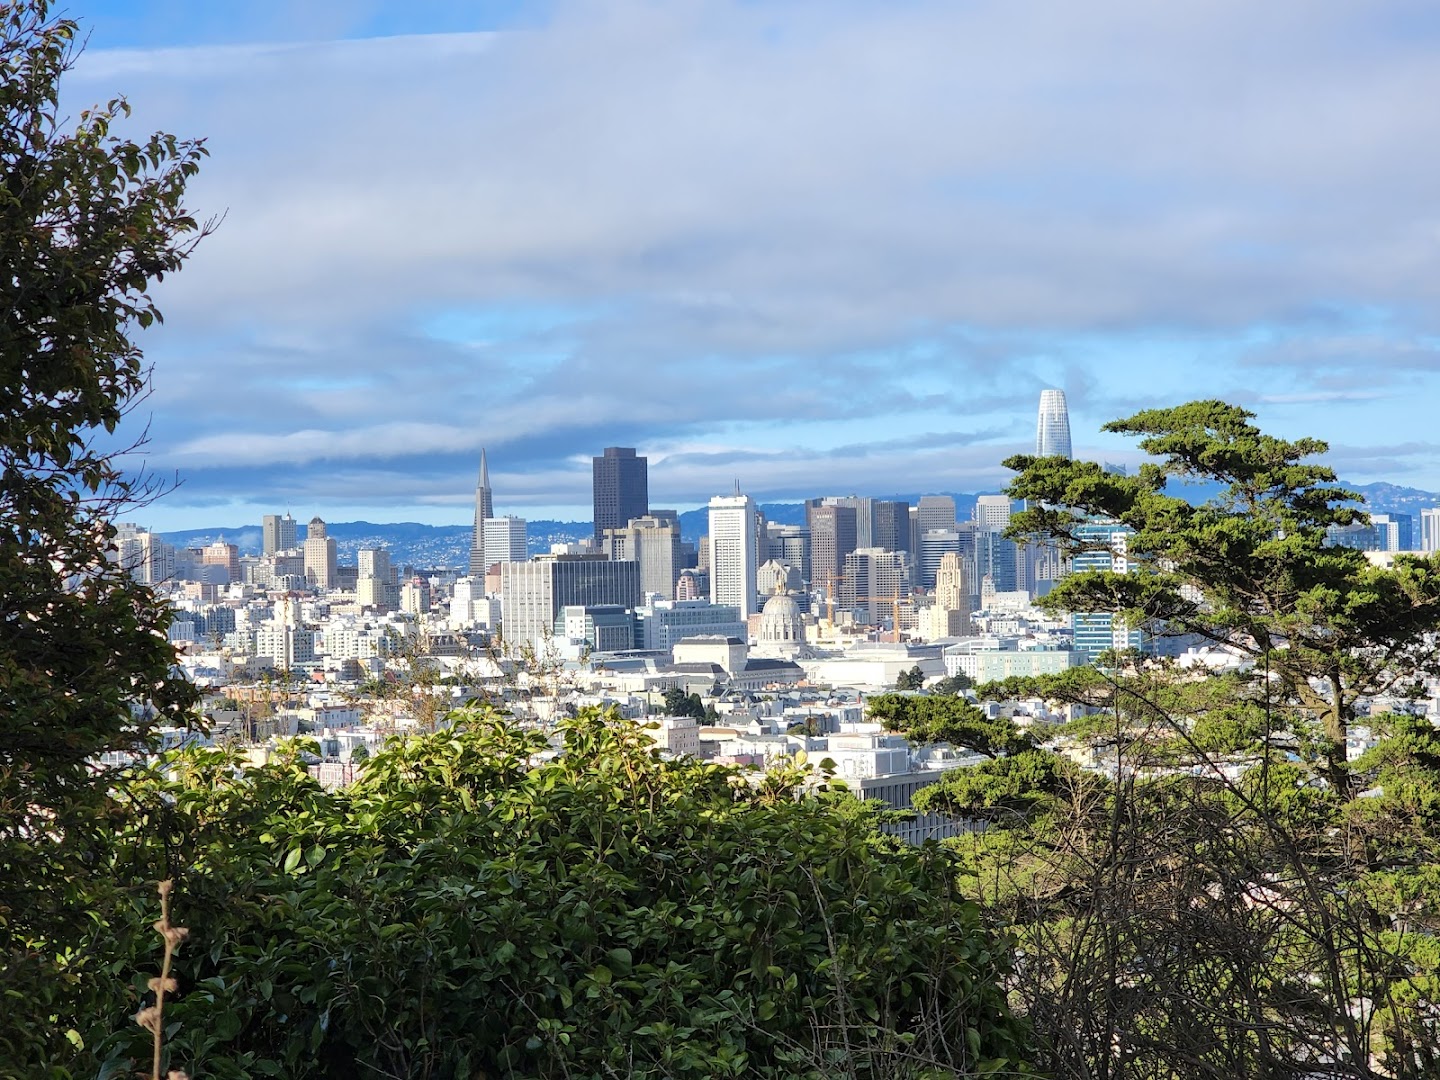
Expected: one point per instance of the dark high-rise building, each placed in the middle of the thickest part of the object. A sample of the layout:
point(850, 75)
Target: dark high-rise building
point(890, 525)
point(864, 519)
point(832, 537)
point(790, 545)
point(621, 488)
point(484, 508)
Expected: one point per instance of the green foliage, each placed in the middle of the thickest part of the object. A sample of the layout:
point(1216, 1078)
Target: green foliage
point(679, 703)
point(813, 726)
point(1249, 569)
point(88, 220)
point(913, 679)
point(1005, 791)
point(1073, 686)
point(1221, 893)
point(952, 685)
point(925, 719)
point(470, 907)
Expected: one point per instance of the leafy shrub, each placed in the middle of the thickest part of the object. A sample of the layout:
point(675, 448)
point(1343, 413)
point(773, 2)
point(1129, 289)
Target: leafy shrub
point(469, 908)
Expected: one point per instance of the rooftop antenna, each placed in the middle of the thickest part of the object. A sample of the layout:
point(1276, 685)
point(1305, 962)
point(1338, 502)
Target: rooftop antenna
point(737, 485)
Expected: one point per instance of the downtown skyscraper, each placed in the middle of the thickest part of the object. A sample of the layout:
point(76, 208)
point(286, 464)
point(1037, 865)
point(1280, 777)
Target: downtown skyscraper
point(484, 509)
point(732, 552)
point(621, 488)
point(833, 536)
point(1052, 428)
point(277, 533)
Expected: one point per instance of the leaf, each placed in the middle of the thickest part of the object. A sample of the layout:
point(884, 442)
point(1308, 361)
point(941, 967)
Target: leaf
point(226, 1025)
point(621, 960)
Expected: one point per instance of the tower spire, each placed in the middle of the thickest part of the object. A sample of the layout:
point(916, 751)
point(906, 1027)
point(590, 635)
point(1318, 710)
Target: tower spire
point(484, 508)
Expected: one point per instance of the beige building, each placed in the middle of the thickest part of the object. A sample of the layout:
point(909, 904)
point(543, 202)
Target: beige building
point(950, 614)
point(654, 543)
point(222, 554)
point(676, 734)
point(319, 556)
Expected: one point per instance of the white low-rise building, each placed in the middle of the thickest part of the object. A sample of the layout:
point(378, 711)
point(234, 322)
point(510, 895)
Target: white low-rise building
point(990, 659)
point(675, 735)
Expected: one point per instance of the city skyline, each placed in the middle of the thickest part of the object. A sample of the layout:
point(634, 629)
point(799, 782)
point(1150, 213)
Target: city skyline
point(602, 245)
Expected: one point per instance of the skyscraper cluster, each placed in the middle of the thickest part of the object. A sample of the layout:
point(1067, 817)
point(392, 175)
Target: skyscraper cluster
point(634, 552)
point(856, 560)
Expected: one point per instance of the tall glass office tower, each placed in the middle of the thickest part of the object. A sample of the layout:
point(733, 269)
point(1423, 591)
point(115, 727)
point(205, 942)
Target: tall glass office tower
point(1052, 430)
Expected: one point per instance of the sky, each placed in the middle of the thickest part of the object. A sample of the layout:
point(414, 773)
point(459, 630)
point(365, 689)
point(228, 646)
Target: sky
point(810, 247)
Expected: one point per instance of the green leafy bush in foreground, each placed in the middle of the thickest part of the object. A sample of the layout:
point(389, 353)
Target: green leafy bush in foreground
point(462, 912)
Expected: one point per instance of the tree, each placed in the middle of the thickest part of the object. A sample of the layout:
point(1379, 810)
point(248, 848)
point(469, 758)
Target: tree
point(953, 685)
point(813, 726)
point(88, 221)
point(679, 703)
point(1220, 892)
point(913, 679)
point(948, 720)
point(1250, 569)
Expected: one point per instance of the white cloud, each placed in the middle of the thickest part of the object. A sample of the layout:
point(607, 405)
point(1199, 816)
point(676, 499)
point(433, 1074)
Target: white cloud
point(768, 207)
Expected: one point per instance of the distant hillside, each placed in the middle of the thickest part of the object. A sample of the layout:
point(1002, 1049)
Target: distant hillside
point(1380, 498)
point(409, 543)
point(439, 546)
point(1385, 498)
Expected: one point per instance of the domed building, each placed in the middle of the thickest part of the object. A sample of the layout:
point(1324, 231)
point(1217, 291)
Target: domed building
point(782, 627)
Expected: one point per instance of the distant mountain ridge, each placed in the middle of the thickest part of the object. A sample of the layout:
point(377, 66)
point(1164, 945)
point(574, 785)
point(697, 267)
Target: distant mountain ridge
point(439, 546)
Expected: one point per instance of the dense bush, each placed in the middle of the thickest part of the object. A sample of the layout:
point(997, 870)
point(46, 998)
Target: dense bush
point(461, 911)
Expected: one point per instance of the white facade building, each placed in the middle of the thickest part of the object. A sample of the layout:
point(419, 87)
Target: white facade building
point(670, 621)
point(1052, 428)
point(462, 603)
point(148, 558)
point(506, 540)
point(1430, 529)
point(732, 552)
point(992, 511)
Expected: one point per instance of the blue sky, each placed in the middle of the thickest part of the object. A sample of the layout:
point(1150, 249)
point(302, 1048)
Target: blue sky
point(816, 247)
